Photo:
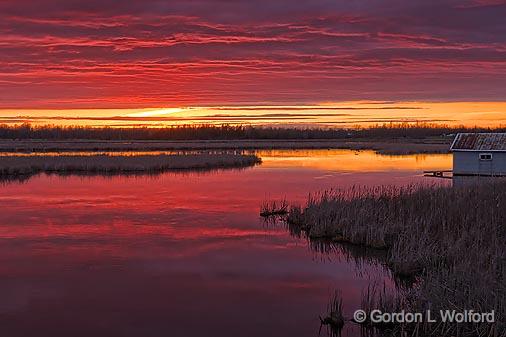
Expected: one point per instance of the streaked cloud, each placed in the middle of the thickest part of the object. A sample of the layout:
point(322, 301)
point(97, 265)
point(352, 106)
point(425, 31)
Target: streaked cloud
point(110, 54)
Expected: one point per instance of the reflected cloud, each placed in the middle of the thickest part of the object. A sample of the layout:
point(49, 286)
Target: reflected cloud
point(349, 161)
point(167, 248)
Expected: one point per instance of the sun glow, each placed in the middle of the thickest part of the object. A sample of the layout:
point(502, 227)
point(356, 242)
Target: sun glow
point(157, 112)
point(339, 114)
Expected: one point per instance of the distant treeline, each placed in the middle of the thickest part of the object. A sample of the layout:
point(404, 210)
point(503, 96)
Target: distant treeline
point(229, 132)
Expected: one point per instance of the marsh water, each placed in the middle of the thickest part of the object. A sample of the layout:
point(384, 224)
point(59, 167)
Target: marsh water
point(183, 254)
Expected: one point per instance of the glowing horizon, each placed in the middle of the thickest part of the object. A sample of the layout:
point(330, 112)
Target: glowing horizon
point(344, 114)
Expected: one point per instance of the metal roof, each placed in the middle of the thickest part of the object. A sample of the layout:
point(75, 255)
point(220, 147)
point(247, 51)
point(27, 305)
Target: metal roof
point(479, 142)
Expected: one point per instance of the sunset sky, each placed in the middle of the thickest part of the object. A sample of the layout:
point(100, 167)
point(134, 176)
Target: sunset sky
point(317, 62)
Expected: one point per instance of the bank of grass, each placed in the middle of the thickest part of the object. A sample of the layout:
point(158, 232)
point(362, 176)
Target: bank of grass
point(388, 147)
point(451, 241)
point(109, 164)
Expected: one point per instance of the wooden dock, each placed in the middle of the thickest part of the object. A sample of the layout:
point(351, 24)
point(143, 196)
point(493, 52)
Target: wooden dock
point(438, 173)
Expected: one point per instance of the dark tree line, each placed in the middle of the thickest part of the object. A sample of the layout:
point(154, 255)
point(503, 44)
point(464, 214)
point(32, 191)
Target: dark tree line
point(230, 132)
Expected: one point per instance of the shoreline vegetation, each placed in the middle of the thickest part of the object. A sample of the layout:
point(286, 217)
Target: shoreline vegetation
point(394, 147)
point(234, 132)
point(14, 166)
point(393, 139)
point(446, 243)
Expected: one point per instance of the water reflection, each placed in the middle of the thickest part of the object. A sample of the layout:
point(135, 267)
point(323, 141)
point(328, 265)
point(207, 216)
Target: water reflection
point(174, 254)
point(22, 178)
point(353, 161)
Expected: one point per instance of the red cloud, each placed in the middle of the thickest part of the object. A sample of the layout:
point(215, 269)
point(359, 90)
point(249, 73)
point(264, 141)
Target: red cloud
point(105, 54)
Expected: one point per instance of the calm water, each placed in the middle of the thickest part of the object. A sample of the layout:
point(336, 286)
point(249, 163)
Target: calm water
point(181, 254)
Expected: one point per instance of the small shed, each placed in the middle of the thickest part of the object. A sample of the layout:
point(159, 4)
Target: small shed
point(479, 154)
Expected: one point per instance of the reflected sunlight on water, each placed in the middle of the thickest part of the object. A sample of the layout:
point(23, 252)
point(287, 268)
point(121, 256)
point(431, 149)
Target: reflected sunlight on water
point(182, 254)
point(353, 161)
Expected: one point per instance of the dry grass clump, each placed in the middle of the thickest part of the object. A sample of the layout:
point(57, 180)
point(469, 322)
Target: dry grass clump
point(269, 209)
point(334, 319)
point(29, 165)
point(452, 240)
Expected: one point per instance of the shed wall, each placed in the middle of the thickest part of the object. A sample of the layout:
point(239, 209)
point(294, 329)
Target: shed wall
point(469, 163)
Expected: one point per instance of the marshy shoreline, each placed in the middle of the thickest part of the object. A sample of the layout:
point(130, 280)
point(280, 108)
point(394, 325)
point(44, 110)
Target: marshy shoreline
point(387, 147)
point(448, 243)
point(15, 166)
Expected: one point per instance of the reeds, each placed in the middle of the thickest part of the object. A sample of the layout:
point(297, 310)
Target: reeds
point(103, 163)
point(385, 147)
point(274, 208)
point(334, 319)
point(379, 298)
point(228, 132)
point(451, 240)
